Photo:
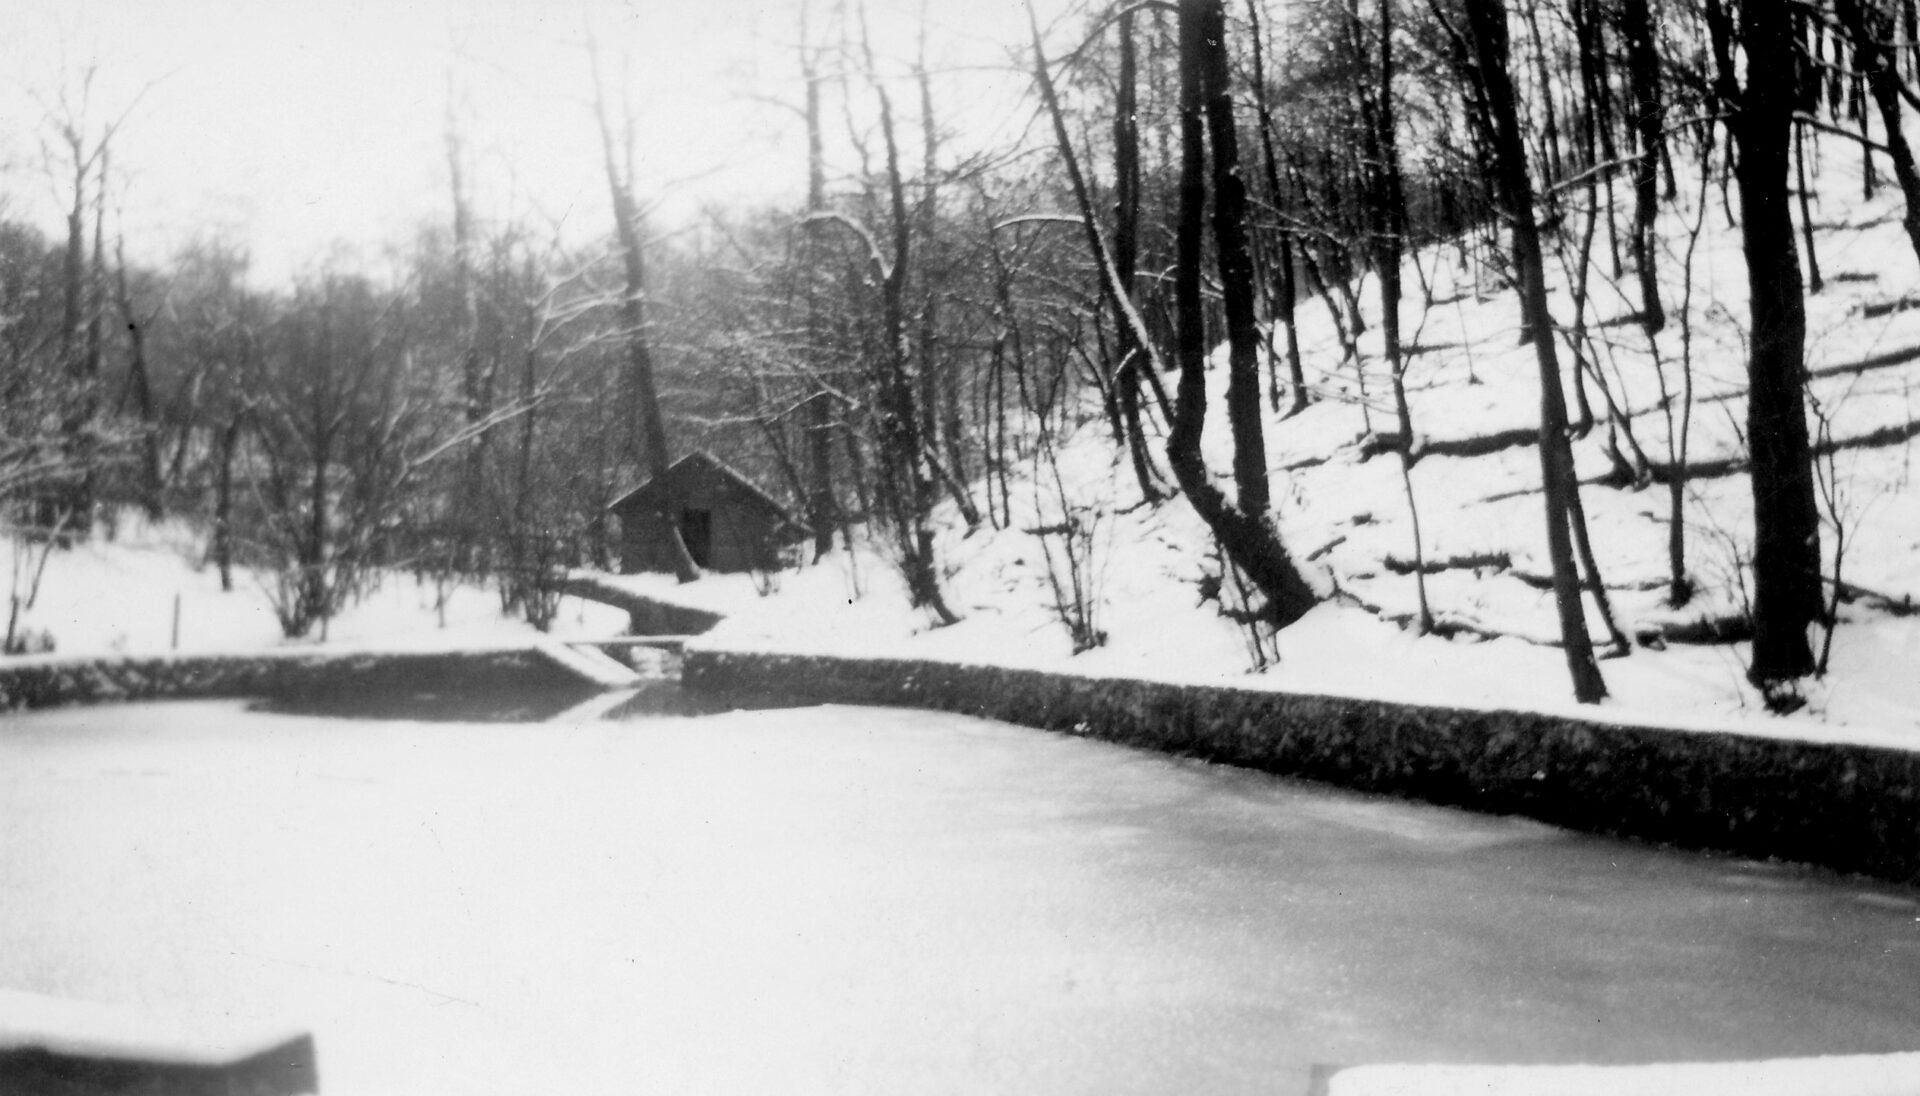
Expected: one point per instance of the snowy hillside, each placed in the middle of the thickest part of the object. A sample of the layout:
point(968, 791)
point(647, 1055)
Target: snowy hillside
point(1473, 395)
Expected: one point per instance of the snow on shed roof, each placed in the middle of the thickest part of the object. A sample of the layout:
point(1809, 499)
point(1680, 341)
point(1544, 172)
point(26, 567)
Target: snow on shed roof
point(726, 471)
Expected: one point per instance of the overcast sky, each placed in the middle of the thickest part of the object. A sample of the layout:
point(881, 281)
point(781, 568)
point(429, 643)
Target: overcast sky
point(304, 128)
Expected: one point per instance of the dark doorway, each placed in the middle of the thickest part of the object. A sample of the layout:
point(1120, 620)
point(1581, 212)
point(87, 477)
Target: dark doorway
point(696, 530)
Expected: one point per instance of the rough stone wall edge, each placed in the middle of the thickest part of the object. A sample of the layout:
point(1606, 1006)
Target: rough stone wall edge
point(1852, 808)
point(51, 681)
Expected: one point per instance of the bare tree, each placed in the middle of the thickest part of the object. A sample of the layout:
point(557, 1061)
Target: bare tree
point(1484, 45)
point(1243, 527)
point(1649, 122)
point(648, 426)
point(1786, 539)
point(906, 489)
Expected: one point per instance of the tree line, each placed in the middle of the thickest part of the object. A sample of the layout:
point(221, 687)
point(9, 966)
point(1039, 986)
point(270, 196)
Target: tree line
point(914, 336)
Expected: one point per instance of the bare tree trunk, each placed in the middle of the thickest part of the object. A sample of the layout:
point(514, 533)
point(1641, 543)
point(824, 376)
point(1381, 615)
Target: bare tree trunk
point(1649, 121)
point(1786, 548)
point(74, 508)
point(822, 505)
point(1245, 531)
point(1126, 252)
point(1487, 22)
point(1815, 283)
point(1285, 291)
point(909, 490)
point(314, 602)
point(1870, 31)
point(152, 486)
point(223, 501)
point(1554, 169)
point(473, 399)
point(1388, 209)
point(1244, 414)
point(96, 335)
point(648, 429)
point(1680, 425)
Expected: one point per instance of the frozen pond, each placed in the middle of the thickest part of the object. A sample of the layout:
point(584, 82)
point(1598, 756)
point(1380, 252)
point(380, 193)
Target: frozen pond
point(839, 900)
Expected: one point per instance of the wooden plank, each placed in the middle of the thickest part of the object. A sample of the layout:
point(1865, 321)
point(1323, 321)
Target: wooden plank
point(665, 643)
point(592, 666)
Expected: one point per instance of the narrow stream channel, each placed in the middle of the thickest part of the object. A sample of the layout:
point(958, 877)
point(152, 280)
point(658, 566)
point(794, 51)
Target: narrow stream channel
point(844, 900)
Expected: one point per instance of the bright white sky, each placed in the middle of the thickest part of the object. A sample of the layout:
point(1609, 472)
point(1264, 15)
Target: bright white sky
point(304, 127)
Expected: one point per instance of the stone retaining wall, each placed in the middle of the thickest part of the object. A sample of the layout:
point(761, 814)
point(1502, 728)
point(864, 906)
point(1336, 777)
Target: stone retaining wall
point(1852, 808)
point(45, 681)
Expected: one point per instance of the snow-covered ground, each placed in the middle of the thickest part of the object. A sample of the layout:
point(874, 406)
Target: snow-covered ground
point(1836, 1075)
point(125, 594)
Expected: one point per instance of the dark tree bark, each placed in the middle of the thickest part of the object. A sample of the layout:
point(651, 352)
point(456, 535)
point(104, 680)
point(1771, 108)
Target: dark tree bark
point(823, 509)
point(476, 393)
point(1786, 550)
point(1553, 169)
point(223, 500)
point(905, 476)
point(1245, 531)
point(152, 481)
point(1487, 32)
point(1387, 210)
point(1126, 257)
point(1285, 287)
point(72, 511)
point(1870, 28)
point(1244, 414)
point(1815, 282)
point(1112, 289)
point(1385, 193)
point(1649, 123)
point(941, 428)
point(647, 432)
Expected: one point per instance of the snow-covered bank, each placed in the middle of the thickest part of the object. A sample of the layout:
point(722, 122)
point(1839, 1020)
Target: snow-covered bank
point(503, 672)
point(149, 590)
point(1159, 633)
point(1840, 1075)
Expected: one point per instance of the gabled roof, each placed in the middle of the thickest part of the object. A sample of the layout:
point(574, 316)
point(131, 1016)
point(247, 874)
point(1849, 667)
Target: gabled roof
point(701, 458)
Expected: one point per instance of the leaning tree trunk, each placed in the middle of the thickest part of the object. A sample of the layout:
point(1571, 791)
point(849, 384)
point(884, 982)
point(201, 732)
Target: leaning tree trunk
point(1244, 529)
point(1869, 31)
point(1487, 20)
point(646, 421)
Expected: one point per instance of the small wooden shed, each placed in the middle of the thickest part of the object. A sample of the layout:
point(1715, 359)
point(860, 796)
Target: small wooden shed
point(727, 523)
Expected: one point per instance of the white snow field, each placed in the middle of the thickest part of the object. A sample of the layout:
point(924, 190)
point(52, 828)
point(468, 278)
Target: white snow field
point(847, 900)
point(119, 595)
